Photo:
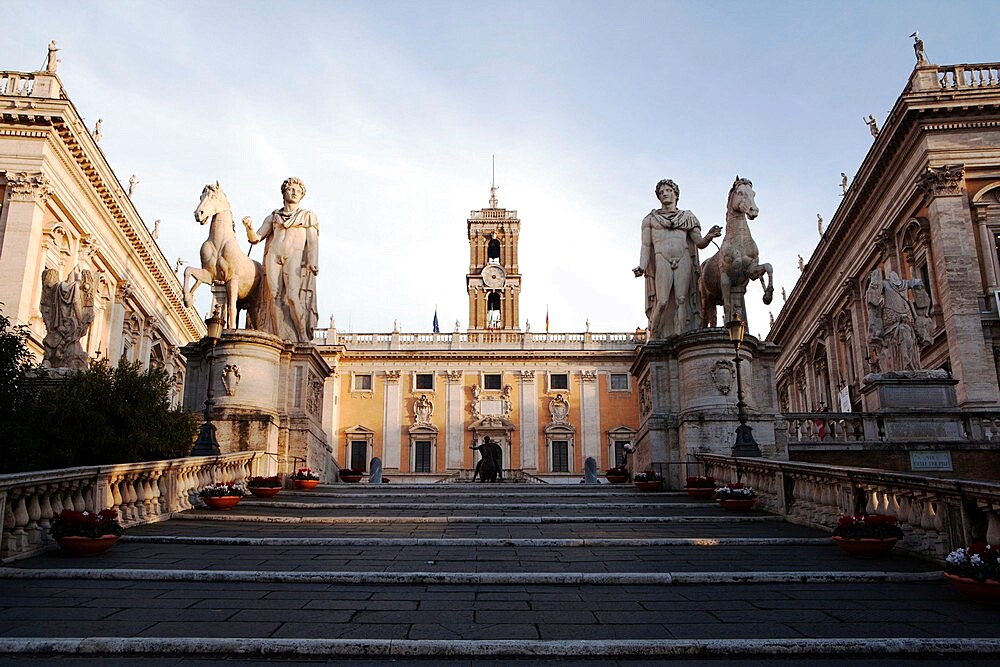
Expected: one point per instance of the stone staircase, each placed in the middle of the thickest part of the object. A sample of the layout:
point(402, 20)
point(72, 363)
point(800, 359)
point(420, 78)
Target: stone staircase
point(454, 573)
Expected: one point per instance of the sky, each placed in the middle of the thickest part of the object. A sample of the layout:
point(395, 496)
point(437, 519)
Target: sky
point(394, 113)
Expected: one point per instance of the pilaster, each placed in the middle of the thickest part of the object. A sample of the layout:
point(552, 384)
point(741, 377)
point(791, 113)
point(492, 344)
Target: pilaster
point(454, 422)
point(392, 425)
point(590, 416)
point(528, 407)
point(21, 222)
point(960, 284)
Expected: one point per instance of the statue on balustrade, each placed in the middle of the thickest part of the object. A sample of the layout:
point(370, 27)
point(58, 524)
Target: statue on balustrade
point(291, 263)
point(897, 325)
point(671, 238)
point(68, 310)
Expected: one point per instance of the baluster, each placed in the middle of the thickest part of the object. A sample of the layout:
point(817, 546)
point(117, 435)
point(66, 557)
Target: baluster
point(116, 497)
point(34, 514)
point(18, 535)
point(142, 498)
point(45, 505)
point(79, 504)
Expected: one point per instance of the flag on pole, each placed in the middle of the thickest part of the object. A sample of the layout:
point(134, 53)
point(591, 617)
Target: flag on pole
point(437, 329)
point(546, 319)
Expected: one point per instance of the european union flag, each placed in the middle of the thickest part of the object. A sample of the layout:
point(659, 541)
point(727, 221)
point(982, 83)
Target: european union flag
point(437, 329)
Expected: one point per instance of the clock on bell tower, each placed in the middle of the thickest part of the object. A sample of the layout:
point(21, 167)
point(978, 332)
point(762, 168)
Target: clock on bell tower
point(493, 282)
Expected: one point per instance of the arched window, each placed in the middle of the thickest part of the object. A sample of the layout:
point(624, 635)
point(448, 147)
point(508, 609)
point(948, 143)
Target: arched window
point(493, 252)
point(493, 310)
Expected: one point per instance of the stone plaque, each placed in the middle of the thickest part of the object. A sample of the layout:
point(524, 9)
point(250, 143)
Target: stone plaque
point(922, 461)
point(491, 406)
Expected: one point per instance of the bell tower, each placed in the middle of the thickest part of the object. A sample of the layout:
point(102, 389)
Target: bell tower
point(493, 281)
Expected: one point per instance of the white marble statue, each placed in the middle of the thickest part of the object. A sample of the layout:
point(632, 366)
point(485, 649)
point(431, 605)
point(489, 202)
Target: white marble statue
point(96, 134)
point(291, 263)
point(51, 62)
point(671, 239)
point(67, 309)
point(156, 230)
point(897, 326)
point(843, 183)
point(872, 125)
point(132, 182)
point(819, 224)
point(918, 48)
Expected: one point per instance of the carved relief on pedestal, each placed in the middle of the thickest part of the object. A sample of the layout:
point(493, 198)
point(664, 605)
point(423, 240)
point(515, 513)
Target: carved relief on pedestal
point(28, 186)
point(942, 181)
point(231, 379)
point(314, 395)
point(645, 398)
point(723, 374)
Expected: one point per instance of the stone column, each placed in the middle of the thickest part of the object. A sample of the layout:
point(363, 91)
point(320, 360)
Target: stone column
point(953, 240)
point(590, 416)
point(528, 428)
point(116, 339)
point(21, 220)
point(988, 245)
point(392, 424)
point(454, 422)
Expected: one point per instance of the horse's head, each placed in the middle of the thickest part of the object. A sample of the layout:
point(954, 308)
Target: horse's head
point(741, 198)
point(213, 200)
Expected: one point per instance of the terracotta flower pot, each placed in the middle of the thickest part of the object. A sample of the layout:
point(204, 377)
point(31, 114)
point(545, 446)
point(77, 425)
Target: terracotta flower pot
point(700, 492)
point(651, 485)
point(349, 476)
point(737, 505)
point(86, 546)
point(616, 479)
point(984, 591)
point(866, 547)
point(221, 502)
point(305, 484)
point(264, 491)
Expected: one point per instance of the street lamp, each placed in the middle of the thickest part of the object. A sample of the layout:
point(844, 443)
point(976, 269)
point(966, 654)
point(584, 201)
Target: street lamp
point(207, 444)
point(745, 444)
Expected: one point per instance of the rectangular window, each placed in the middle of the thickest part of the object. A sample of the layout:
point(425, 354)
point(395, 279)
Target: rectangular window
point(362, 382)
point(493, 381)
point(620, 452)
point(422, 456)
point(560, 456)
point(619, 382)
point(359, 454)
point(424, 381)
point(559, 381)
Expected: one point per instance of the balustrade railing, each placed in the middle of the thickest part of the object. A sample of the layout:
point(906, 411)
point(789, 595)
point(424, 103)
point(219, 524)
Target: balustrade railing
point(937, 515)
point(16, 84)
point(140, 493)
point(819, 428)
point(982, 75)
point(515, 339)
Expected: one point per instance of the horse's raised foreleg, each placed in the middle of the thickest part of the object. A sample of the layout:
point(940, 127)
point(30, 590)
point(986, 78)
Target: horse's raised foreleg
point(759, 272)
point(200, 276)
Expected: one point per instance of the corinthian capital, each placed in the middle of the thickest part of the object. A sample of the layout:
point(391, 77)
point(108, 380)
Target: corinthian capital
point(942, 181)
point(28, 186)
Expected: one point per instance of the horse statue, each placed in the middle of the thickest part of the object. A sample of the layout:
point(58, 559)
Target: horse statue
point(490, 465)
point(222, 259)
point(725, 275)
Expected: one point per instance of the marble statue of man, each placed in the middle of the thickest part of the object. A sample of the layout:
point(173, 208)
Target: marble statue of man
point(872, 125)
point(68, 310)
point(51, 62)
point(291, 263)
point(897, 325)
point(671, 239)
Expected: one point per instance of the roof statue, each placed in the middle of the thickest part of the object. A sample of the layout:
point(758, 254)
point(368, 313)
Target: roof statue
point(51, 62)
point(918, 48)
point(872, 124)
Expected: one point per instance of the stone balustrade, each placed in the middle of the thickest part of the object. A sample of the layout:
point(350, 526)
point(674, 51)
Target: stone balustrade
point(475, 339)
point(16, 84)
point(983, 75)
point(140, 493)
point(937, 515)
point(821, 428)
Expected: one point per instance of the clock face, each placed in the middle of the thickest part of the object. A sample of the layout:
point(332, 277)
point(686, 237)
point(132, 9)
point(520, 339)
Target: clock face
point(493, 276)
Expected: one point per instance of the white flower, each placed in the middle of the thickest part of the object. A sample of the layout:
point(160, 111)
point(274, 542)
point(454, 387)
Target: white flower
point(976, 560)
point(957, 557)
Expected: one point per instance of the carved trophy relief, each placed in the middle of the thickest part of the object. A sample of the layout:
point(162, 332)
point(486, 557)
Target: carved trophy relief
point(231, 379)
point(423, 408)
point(314, 395)
point(645, 398)
point(559, 409)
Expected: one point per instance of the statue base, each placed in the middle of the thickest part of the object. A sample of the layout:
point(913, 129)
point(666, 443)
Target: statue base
point(688, 396)
point(268, 397)
point(917, 391)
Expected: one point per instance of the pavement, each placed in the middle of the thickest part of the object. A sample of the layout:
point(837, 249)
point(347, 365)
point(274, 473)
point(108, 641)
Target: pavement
point(457, 574)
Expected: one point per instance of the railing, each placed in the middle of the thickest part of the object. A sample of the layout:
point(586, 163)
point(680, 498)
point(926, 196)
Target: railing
point(140, 493)
point(982, 75)
point(493, 214)
point(513, 339)
point(937, 515)
point(877, 427)
point(16, 84)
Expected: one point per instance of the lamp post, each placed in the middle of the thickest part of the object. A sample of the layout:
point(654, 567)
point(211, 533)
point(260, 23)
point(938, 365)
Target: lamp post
point(207, 444)
point(745, 444)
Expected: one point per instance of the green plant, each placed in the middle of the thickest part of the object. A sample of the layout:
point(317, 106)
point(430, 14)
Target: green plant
point(71, 523)
point(17, 392)
point(99, 416)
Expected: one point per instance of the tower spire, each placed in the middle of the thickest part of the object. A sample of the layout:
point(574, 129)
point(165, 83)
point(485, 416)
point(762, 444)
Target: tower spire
point(493, 184)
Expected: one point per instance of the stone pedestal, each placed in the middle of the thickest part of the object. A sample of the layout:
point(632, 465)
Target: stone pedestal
point(268, 398)
point(688, 396)
point(899, 396)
